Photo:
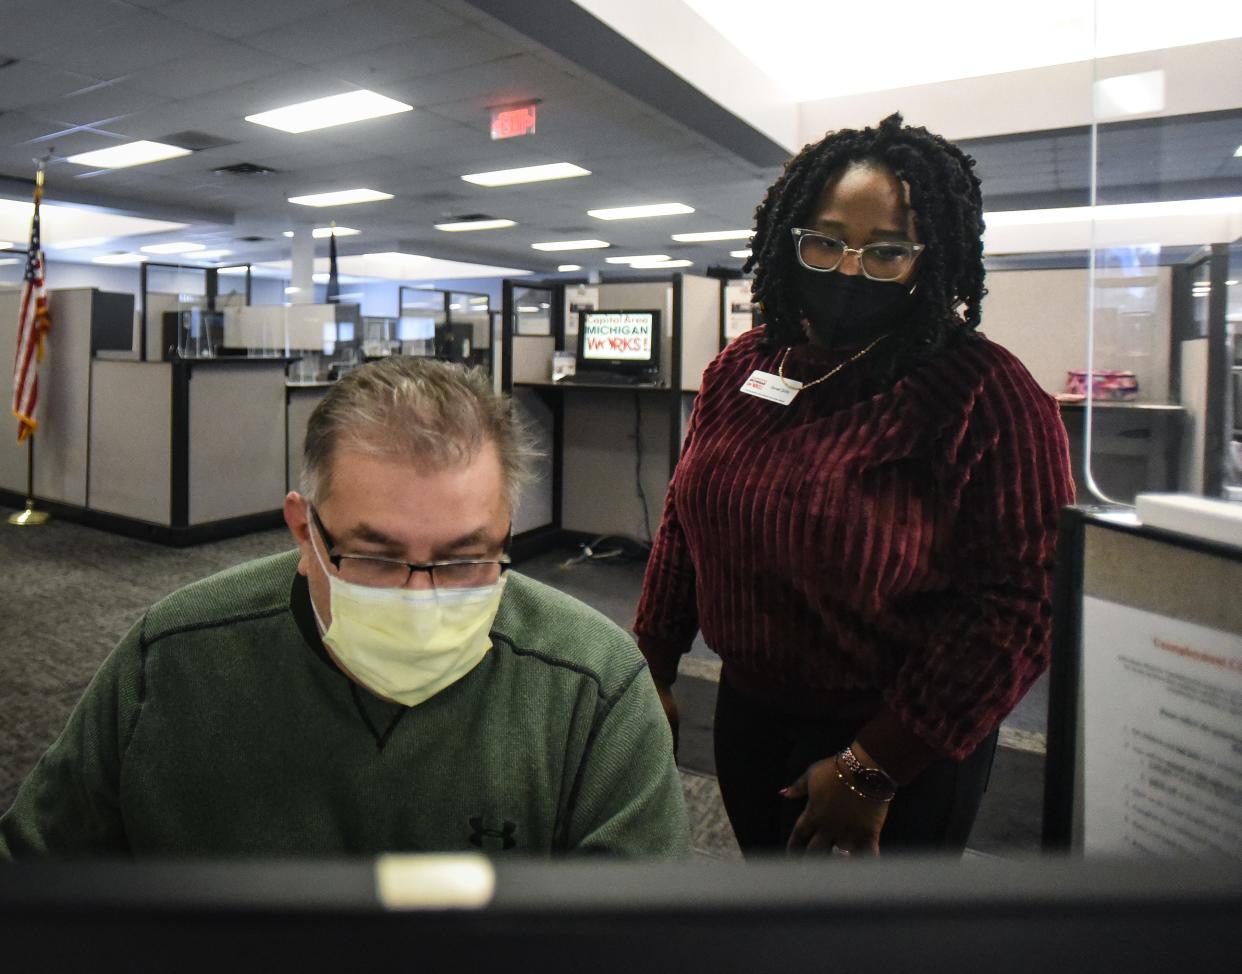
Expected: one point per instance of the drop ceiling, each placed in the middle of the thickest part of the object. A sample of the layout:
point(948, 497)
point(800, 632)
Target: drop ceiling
point(89, 74)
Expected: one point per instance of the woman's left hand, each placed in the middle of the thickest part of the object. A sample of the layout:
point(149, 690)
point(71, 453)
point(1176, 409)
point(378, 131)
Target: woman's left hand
point(835, 819)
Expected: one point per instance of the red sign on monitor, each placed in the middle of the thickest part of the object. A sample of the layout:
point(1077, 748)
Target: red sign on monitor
point(508, 123)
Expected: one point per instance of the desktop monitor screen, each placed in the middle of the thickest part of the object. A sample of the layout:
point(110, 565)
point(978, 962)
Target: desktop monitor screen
point(619, 341)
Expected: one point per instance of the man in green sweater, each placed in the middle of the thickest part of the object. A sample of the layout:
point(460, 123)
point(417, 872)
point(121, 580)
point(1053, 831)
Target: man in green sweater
point(388, 686)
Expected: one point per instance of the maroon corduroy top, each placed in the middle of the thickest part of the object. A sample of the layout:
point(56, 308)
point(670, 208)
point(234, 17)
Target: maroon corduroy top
point(883, 558)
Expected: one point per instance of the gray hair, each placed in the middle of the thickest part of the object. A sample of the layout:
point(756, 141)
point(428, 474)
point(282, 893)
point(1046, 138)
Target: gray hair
point(421, 410)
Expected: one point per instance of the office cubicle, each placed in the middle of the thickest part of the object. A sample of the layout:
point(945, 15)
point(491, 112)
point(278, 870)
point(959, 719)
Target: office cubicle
point(612, 450)
point(1145, 704)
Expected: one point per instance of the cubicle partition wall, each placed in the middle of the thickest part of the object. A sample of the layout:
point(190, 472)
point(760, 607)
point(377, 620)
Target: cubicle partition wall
point(87, 321)
point(175, 451)
point(180, 445)
point(1145, 697)
point(613, 447)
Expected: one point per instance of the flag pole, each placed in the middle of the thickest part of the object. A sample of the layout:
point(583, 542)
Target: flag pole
point(31, 517)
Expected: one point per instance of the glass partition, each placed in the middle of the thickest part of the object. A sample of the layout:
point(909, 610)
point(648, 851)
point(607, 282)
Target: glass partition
point(1155, 386)
point(532, 310)
point(177, 312)
point(469, 323)
point(1233, 389)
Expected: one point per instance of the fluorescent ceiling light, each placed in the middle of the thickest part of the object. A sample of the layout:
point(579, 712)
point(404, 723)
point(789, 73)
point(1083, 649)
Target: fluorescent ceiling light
point(707, 236)
point(569, 267)
point(638, 212)
point(979, 32)
point(742, 254)
point(232, 271)
point(630, 260)
point(1117, 211)
point(119, 259)
point(173, 248)
point(128, 154)
point(321, 233)
point(528, 309)
point(396, 266)
point(1167, 223)
point(211, 254)
point(10, 260)
point(341, 197)
point(78, 244)
point(1129, 94)
point(293, 290)
point(643, 265)
point(1238, 152)
point(572, 245)
point(475, 225)
point(6, 245)
point(528, 174)
point(322, 113)
point(66, 224)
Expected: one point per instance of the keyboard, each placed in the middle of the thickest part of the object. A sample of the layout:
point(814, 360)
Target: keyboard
point(606, 379)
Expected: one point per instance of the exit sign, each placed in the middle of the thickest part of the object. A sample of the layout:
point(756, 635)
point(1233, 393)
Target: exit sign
point(509, 123)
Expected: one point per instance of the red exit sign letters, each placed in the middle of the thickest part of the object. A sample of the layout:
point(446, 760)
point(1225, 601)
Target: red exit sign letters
point(509, 123)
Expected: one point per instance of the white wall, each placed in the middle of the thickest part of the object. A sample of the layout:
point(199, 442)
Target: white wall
point(1198, 78)
point(1041, 316)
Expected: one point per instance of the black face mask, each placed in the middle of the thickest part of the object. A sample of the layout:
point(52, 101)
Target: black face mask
point(845, 310)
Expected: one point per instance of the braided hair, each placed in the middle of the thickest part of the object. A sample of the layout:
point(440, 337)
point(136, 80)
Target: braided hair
point(948, 215)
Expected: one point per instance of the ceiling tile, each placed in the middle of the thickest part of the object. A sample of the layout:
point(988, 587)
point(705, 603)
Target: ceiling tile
point(363, 25)
point(30, 81)
point(422, 56)
point(241, 18)
point(31, 28)
point(113, 102)
point(221, 66)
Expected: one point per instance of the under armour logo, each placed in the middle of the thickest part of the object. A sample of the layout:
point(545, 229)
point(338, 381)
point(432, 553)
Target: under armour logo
point(504, 833)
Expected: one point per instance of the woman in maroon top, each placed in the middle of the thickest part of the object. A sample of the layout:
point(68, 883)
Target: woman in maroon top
point(863, 520)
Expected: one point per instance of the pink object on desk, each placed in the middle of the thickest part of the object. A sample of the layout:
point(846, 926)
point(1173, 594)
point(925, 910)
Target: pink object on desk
point(1107, 384)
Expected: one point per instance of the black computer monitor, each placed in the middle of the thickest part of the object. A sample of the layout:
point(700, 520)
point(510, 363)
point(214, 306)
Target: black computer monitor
point(426, 914)
point(619, 342)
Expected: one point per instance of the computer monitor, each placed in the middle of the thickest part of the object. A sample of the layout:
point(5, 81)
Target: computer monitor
point(423, 914)
point(620, 342)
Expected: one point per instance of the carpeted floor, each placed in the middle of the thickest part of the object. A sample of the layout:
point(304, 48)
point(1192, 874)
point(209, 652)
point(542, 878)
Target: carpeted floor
point(69, 593)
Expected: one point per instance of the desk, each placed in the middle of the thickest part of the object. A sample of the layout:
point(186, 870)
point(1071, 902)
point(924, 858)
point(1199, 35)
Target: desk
point(1135, 447)
point(594, 432)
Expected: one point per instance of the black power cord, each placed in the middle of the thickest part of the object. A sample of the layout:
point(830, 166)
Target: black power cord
point(638, 467)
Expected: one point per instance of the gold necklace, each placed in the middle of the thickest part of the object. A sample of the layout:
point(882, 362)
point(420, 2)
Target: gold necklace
point(780, 369)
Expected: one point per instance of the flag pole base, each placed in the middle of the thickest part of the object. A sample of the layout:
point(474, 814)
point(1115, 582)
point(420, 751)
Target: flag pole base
point(29, 517)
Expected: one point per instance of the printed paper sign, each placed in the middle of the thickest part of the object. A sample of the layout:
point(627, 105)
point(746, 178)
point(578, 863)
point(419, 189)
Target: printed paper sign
point(1162, 736)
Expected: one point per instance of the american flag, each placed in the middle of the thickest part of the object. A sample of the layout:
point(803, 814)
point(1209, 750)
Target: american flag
point(33, 324)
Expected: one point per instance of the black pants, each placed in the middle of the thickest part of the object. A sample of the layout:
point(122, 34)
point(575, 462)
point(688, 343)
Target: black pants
point(760, 750)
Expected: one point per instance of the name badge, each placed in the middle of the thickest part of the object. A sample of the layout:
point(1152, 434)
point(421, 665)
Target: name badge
point(771, 387)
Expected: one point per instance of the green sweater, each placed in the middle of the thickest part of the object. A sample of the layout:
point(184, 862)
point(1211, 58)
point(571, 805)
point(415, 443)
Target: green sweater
point(219, 726)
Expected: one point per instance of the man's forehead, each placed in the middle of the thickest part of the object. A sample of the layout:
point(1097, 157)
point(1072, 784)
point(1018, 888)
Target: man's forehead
point(385, 498)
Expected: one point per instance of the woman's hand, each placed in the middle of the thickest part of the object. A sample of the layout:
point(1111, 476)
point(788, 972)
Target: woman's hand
point(669, 703)
point(835, 819)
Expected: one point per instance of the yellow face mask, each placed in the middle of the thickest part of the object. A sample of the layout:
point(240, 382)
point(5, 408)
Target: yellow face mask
point(408, 645)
